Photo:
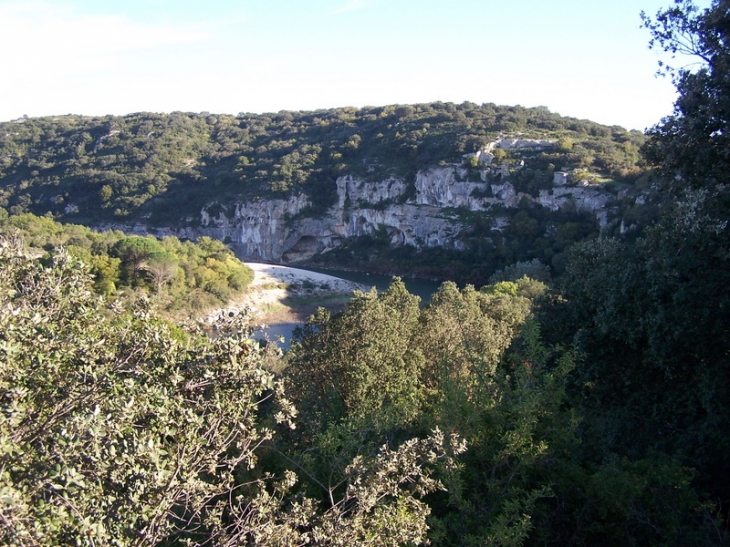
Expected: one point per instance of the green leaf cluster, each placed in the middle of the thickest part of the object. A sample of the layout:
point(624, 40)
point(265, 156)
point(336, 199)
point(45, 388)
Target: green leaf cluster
point(120, 429)
point(183, 276)
point(473, 363)
point(453, 422)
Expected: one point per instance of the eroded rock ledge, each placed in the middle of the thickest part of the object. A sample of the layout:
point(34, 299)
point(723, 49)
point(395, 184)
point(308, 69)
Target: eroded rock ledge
point(260, 231)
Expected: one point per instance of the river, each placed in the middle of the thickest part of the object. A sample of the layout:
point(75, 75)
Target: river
point(420, 287)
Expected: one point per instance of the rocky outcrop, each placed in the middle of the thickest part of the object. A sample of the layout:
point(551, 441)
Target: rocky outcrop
point(520, 144)
point(262, 230)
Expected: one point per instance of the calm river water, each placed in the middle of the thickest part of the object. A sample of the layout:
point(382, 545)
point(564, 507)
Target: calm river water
point(419, 287)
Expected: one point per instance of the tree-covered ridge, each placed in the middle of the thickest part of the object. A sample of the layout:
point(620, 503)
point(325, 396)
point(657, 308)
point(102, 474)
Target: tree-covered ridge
point(183, 276)
point(163, 167)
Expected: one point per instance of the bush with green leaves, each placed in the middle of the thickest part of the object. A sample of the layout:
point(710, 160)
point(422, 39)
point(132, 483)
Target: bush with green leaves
point(361, 364)
point(473, 364)
point(118, 428)
point(185, 276)
point(534, 269)
point(384, 368)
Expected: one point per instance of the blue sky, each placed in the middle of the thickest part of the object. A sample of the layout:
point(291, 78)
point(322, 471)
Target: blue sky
point(580, 58)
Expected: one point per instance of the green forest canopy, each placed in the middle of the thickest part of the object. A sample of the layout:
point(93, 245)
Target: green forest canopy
point(164, 168)
point(390, 424)
point(184, 276)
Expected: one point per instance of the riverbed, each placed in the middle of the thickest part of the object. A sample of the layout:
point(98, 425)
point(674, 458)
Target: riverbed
point(282, 298)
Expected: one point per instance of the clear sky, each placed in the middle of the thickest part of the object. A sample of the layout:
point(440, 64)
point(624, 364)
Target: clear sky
point(580, 58)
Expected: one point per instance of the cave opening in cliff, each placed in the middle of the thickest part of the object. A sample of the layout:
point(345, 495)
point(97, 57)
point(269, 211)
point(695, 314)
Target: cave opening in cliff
point(306, 247)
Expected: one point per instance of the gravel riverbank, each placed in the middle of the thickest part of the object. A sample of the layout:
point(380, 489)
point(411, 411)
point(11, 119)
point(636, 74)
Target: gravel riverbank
point(280, 294)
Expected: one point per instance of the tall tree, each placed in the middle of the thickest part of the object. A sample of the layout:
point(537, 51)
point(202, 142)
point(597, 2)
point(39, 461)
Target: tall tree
point(360, 363)
point(134, 251)
point(692, 146)
point(653, 316)
point(161, 267)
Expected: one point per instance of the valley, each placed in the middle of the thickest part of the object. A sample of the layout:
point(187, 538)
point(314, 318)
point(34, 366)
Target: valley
point(562, 381)
point(292, 187)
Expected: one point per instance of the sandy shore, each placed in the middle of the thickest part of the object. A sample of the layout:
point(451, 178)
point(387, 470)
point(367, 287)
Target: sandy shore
point(279, 294)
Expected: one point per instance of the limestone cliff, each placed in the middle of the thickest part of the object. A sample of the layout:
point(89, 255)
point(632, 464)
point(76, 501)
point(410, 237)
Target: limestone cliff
point(425, 217)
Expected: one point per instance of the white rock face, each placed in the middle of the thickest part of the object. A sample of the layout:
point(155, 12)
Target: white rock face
point(441, 187)
point(560, 178)
point(363, 192)
point(520, 144)
point(261, 230)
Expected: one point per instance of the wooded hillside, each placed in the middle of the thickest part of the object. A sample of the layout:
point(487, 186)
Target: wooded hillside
point(165, 167)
